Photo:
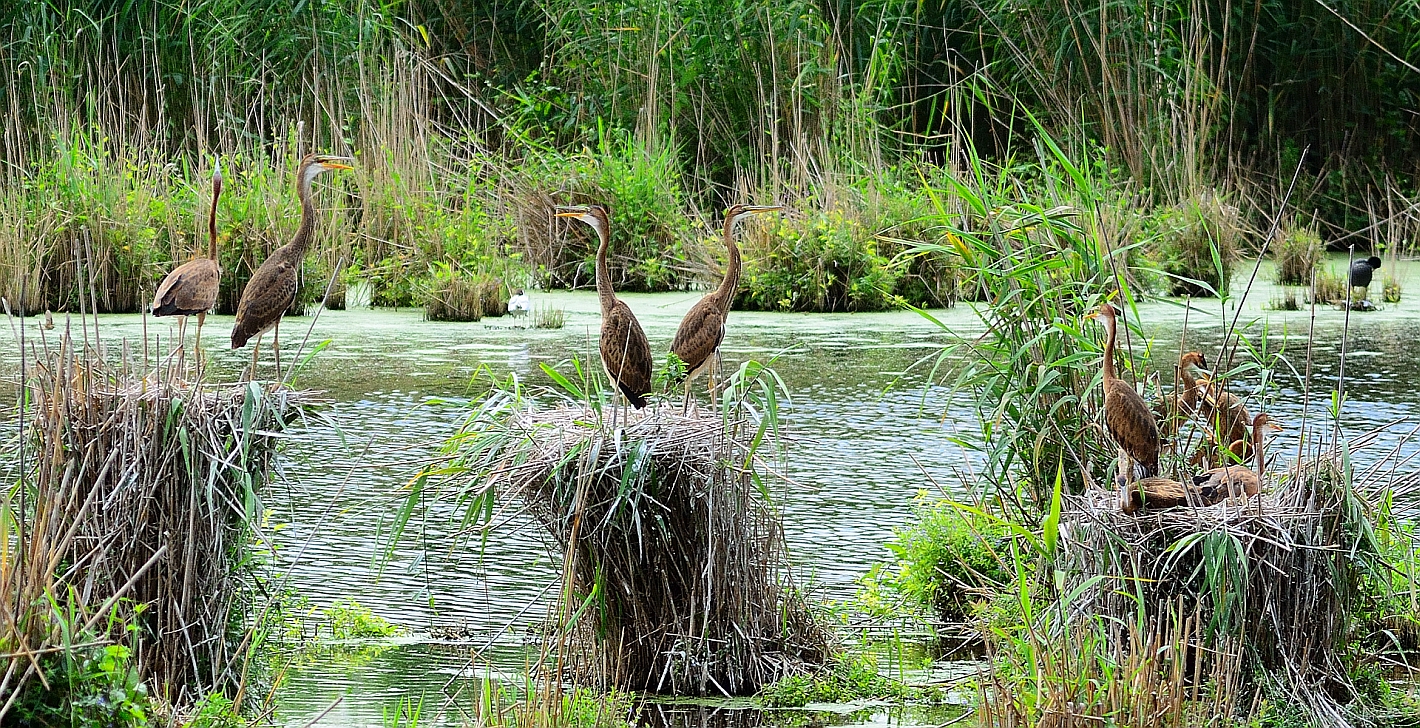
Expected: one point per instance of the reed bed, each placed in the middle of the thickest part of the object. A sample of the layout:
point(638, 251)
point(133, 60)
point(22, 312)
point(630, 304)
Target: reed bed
point(1272, 584)
point(132, 525)
point(685, 557)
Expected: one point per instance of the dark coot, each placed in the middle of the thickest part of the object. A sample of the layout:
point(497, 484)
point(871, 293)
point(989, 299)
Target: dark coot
point(1362, 270)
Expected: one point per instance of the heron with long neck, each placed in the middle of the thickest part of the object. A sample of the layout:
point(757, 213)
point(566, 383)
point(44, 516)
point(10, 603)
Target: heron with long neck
point(192, 287)
point(272, 288)
point(1127, 416)
point(697, 341)
point(625, 352)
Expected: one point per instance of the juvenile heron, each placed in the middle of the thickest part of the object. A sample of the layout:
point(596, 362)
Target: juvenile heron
point(192, 287)
point(272, 288)
point(1236, 480)
point(1126, 415)
point(697, 341)
point(625, 352)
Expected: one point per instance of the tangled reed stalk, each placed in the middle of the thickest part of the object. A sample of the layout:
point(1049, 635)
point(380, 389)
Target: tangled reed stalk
point(1275, 582)
point(664, 529)
point(133, 523)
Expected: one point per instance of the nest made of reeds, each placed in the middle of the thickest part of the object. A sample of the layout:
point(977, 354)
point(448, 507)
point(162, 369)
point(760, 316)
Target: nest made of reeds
point(680, 550)
point(141, 495)
point(1276, 574)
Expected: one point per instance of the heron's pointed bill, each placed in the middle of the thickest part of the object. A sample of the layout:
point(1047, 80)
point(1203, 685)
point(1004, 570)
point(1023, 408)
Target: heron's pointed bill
point(572, 211)
point(336, 163)
point(756, 209)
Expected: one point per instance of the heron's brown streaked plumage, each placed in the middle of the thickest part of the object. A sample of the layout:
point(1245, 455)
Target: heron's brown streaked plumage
point(273, 287)
point(1228, 423)
point(1235, 481)
point(1182, 404)
point(192, 287)
point(1126, 415)
point(626, 354)
point(1157, 493)
point(698, 339)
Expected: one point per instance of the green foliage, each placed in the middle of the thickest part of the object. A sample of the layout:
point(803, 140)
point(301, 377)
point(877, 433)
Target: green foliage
point(454, 294)
point(1390, 290)
point(91, 687)
point(348, 620)
point(216, 710)
point(949, 561)
point(548, 317)
point(649, 226)
point(1196, 244)
point(844, 679)
point(828, 262)
point(1329, 287)
point(1296, 250)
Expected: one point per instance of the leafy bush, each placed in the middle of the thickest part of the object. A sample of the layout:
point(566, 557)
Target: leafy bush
point(1296, 250)
point(948, 560)
point(349, 619)
point(1196, 243)
point(847, 678)
point(94, 686)
point(649, 225)
point(1390, 290)
point(825, 261)
point(453, 294)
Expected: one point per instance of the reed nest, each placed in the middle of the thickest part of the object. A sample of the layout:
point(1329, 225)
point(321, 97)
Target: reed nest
point(1276, 576)
point(137, 522)
point(664, 525)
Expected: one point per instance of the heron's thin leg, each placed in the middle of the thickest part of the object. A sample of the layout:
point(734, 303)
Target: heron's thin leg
point(255, 351)
point(276, 346)
point(197, 345)
point(686, 407)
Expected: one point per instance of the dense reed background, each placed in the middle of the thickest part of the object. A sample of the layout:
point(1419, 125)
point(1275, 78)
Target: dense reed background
point(470, 117)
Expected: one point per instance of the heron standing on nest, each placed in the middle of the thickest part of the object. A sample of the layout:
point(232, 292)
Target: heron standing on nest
point(192, 287)
point(625, 352)
point(1126, 415)
point(697, 341)
point(272, 288)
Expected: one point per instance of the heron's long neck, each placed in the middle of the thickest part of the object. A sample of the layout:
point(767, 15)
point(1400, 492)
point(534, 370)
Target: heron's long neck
point(1257, 439)
point(304, 234)
point(605, 294)
point(1109, 341)
point(212, 222)
point(1190, 384)
point(728, 287)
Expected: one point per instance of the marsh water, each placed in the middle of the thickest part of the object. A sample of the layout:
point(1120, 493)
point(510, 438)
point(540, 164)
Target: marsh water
point(869, 430)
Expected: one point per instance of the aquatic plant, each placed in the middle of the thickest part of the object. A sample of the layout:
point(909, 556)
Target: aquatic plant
point(947, 560)
point(452, 294)
point(348, 619)
point(1197, 243)
point(1328, 287)
point(1296, 250)
point(549, 317)
point(846, 678)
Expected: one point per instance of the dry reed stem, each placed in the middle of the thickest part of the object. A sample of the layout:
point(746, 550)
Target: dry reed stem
point(683, 554)
point(142, 506)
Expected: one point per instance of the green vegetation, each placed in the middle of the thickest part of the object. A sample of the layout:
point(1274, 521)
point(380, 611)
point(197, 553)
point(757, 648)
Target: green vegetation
point(347, 619)
point(1296, 250)
point(548, 317)
point(455, 295)
point(949, 564)
point(846, 678)
point(1329, 287)
point(91, 686)
point(470, 120)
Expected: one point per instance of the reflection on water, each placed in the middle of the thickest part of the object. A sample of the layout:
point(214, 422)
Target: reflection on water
point(867, 432)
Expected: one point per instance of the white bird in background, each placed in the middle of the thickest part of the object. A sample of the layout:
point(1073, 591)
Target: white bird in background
point(518, 305)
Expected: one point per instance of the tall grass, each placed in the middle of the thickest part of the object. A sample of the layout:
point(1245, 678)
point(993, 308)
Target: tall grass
point(128, 535)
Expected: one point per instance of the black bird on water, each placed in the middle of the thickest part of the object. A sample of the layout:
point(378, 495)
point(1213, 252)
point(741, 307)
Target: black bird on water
point(1362, 271)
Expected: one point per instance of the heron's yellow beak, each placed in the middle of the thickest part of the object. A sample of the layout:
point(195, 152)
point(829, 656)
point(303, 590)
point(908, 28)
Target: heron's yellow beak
point(576, 211)
point(757, 209)
point(336, 165)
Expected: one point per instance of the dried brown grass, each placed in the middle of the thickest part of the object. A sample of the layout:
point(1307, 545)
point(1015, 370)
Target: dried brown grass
point(135, 511)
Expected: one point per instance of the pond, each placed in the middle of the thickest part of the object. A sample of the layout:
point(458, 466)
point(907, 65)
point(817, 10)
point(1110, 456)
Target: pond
point(867, 434)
